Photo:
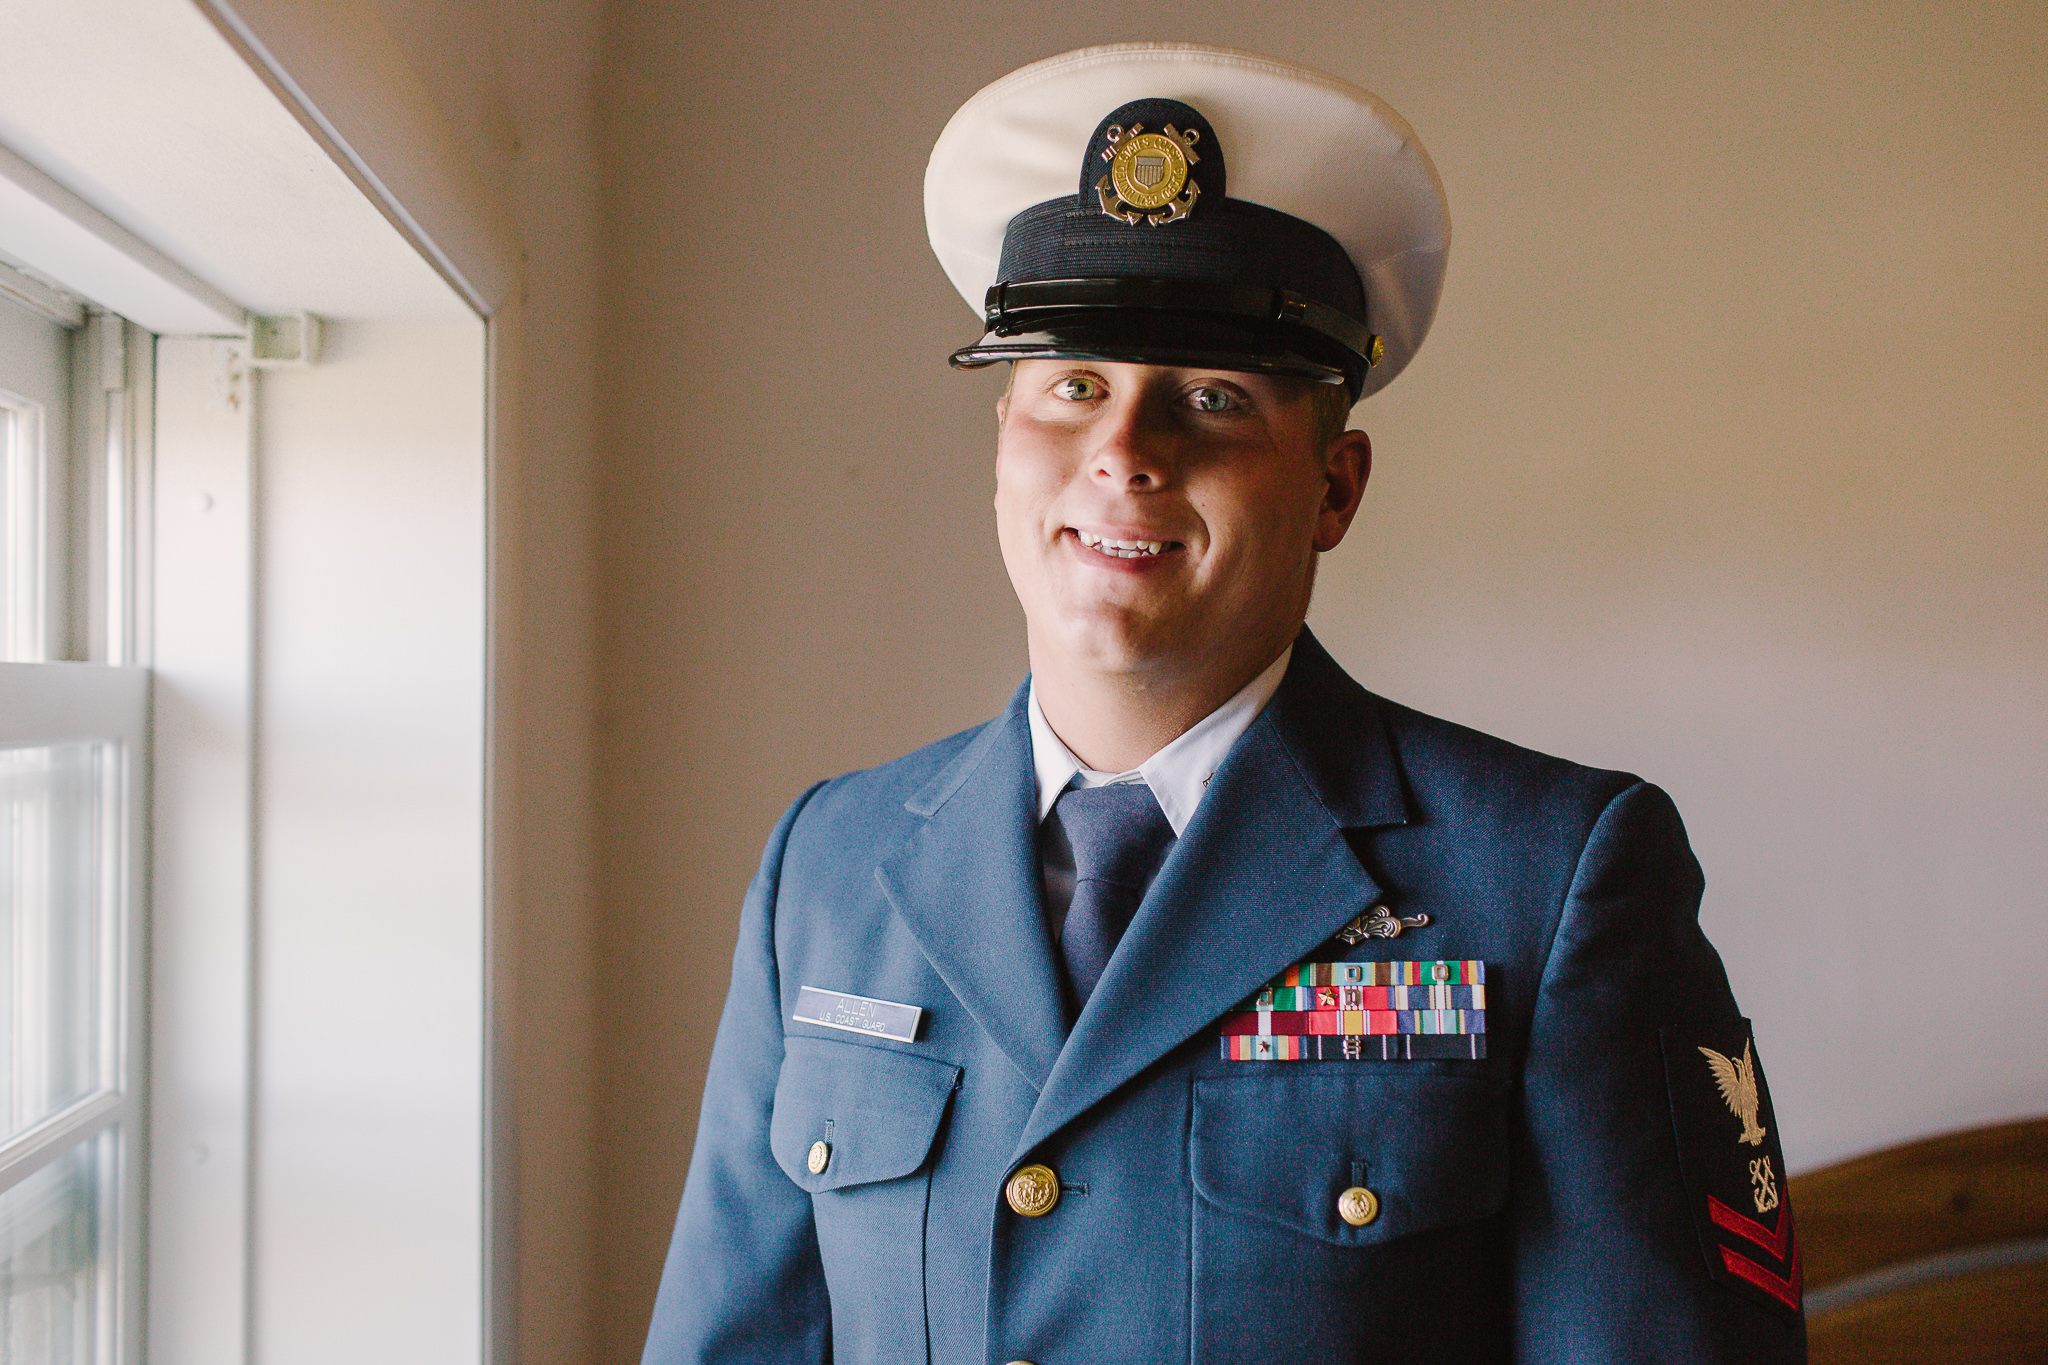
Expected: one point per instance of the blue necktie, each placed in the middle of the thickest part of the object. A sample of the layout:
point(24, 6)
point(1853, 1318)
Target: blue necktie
point(1119, 837)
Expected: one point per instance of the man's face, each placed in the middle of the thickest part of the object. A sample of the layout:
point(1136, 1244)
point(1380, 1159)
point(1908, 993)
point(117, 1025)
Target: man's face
point(1165, 522)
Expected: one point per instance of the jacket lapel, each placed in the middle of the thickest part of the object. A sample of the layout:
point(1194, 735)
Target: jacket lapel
point(1262, 875)
point(966, 882)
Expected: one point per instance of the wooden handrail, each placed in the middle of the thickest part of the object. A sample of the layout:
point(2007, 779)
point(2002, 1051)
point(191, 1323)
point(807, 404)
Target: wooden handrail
point(1941, 1194)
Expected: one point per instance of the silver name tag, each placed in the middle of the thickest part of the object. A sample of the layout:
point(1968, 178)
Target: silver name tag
point(857, 1014)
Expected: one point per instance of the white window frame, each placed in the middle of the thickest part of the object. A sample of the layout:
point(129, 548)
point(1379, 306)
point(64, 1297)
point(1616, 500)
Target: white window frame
point(202, 851)
point(44, 702)
point(51, 703)
point(27, 578)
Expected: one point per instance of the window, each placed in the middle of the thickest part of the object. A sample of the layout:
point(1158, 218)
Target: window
point(21, 526)
point(35, 370)
point(60, 891)
point(317, 1044)
point(71, 750)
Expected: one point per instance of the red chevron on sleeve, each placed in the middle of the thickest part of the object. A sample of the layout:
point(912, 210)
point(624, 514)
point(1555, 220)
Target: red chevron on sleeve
point(1779, 1241)
point(1772, 1240)
point(1786, 1291)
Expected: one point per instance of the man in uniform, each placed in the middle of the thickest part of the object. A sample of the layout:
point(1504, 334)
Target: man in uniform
point(1204, 1006)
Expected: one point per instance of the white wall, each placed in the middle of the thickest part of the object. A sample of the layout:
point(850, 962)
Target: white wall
point(368, 1193)
point(1724, 465)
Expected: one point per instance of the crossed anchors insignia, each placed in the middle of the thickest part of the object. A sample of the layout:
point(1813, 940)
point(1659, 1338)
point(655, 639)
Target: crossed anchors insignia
point(1379, 922)
point(1147, 171)
point(1764, 1182)
point(1737, 1080)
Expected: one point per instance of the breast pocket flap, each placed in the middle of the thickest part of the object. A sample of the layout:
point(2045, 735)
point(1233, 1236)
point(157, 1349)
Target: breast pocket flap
point(1431, 1148)
point(875, 1110)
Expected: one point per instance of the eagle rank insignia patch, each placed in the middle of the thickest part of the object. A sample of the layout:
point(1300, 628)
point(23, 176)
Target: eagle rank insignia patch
point(1728, 1153)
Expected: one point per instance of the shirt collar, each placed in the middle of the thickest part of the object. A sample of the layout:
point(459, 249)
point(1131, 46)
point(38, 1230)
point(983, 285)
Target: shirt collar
point(1179, 773)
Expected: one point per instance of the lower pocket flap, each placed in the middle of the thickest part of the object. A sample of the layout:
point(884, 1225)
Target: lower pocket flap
point(875, 1109)
point(1432, 1148)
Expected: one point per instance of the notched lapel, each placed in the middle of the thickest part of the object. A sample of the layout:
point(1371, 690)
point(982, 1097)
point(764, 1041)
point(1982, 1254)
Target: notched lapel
point(966, 883)
point(1333, 731)
point(1262, 875)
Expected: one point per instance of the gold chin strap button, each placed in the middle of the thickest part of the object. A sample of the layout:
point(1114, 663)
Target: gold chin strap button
point(1033, 1191)
point(1358, 1206)
point(820, 1158)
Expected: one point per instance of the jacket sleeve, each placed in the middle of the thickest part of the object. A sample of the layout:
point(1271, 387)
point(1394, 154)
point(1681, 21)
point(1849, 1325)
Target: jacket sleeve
point(1615, 1255)
point(743, 1280)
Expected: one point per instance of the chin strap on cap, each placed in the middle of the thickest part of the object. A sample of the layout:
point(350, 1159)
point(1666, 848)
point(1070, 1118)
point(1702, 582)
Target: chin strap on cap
point(1017, 307)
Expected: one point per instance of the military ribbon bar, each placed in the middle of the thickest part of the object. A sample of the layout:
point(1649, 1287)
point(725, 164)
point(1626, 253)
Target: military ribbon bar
point(1453, 973)
point(1382, 1011)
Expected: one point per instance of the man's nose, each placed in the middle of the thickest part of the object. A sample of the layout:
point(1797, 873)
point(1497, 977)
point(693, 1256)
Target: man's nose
point(1134, 449)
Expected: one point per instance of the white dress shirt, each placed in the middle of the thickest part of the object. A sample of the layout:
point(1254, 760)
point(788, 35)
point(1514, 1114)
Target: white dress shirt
point(1178, 775)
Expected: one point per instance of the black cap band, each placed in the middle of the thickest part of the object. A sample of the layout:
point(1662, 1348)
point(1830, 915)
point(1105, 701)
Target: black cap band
point(1150, 262)
point(1225, 240)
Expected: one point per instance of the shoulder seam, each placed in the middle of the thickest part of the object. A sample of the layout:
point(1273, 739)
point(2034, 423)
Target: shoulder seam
point(1632, 784)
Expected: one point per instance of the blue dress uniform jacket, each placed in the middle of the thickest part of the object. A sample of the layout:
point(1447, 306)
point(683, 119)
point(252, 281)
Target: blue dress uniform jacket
point(1532, 1204)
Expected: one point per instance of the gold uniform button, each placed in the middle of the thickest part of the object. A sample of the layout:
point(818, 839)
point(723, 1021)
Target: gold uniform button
point(1033, 1191)
point(1358, 1206)
point(821, 1157)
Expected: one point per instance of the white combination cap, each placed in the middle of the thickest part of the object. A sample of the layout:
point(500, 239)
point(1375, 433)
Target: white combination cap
point(1170, 203)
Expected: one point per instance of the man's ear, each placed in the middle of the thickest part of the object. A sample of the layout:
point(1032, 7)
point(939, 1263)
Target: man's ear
point(1347, 464)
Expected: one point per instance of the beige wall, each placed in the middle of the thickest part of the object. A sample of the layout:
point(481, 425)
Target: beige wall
point(515, 81)
point(1723, 465)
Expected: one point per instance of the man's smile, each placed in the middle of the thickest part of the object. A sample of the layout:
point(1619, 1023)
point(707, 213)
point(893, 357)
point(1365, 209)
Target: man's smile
point(1118, 548)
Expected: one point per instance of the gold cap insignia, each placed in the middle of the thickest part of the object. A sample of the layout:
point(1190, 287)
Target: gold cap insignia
point(1148, 172)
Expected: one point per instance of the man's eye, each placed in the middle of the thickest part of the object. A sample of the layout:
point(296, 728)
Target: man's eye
point(1211, 400)
point(1077, 388)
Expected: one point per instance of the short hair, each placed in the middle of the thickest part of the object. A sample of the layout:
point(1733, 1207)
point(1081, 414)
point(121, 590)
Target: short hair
point(1331, 409)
